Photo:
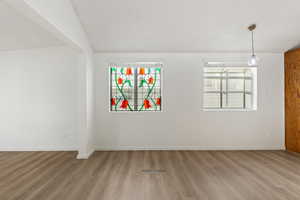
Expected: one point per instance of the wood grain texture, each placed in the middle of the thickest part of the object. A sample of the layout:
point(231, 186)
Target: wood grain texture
point(184, 175)
point(292, 100)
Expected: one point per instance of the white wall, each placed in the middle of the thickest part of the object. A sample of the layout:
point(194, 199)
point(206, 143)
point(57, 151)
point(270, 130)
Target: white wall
point(60, 18)
point(61, 14)
point(39, 104)
point(183, 124)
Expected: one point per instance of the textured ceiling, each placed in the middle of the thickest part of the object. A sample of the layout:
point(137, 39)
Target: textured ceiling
point(189, 25)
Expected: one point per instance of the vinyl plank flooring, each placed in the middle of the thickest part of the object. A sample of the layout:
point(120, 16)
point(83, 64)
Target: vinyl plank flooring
point(150, 175)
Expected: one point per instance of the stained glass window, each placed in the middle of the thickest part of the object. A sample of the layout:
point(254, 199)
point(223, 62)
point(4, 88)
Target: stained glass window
point(135, 87)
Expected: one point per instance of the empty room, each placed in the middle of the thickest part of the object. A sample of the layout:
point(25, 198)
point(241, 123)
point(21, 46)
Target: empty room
point(149, 100)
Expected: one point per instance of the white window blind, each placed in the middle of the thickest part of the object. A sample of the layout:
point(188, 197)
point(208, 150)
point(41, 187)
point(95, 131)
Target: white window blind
point(229, 87)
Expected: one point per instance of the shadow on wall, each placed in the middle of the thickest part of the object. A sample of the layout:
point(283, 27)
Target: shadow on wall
point(295, 47)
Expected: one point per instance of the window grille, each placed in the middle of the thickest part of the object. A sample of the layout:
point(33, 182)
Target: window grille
point(229, 87)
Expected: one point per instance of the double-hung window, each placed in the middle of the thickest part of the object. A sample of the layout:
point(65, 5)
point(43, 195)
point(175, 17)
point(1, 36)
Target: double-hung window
point(135, 87)
point(229, 88)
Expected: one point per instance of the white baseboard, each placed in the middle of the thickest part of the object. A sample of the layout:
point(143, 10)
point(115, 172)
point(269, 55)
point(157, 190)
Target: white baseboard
point(38, 149)
point(135, 148)
point(85, 155)
point(178, 148)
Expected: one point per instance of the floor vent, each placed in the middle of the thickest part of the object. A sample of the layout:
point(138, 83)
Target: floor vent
point(153, 171)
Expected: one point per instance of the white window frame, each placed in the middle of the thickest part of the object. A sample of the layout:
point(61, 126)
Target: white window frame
point(231, 65)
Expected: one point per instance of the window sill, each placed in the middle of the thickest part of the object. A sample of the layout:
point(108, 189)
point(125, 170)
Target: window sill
point(227, 110)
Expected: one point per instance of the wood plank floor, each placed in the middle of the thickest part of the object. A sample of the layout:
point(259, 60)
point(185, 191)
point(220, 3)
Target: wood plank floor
point(150, 175)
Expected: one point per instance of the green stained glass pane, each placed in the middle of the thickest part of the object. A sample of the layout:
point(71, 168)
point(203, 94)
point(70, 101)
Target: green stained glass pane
point(113, 69)
point(129, 83)
point(142, 83)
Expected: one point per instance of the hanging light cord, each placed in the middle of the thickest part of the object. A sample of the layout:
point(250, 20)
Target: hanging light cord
point(252, 28)
point(252, 43)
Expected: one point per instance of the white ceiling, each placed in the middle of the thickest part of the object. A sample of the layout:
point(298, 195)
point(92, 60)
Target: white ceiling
point(189, 25)
point(18, 32)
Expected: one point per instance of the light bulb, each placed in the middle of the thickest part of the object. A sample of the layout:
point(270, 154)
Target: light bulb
point(253, 60)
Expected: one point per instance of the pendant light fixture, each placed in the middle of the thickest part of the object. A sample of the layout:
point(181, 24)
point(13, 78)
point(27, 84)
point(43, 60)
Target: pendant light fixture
point(253, 60)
